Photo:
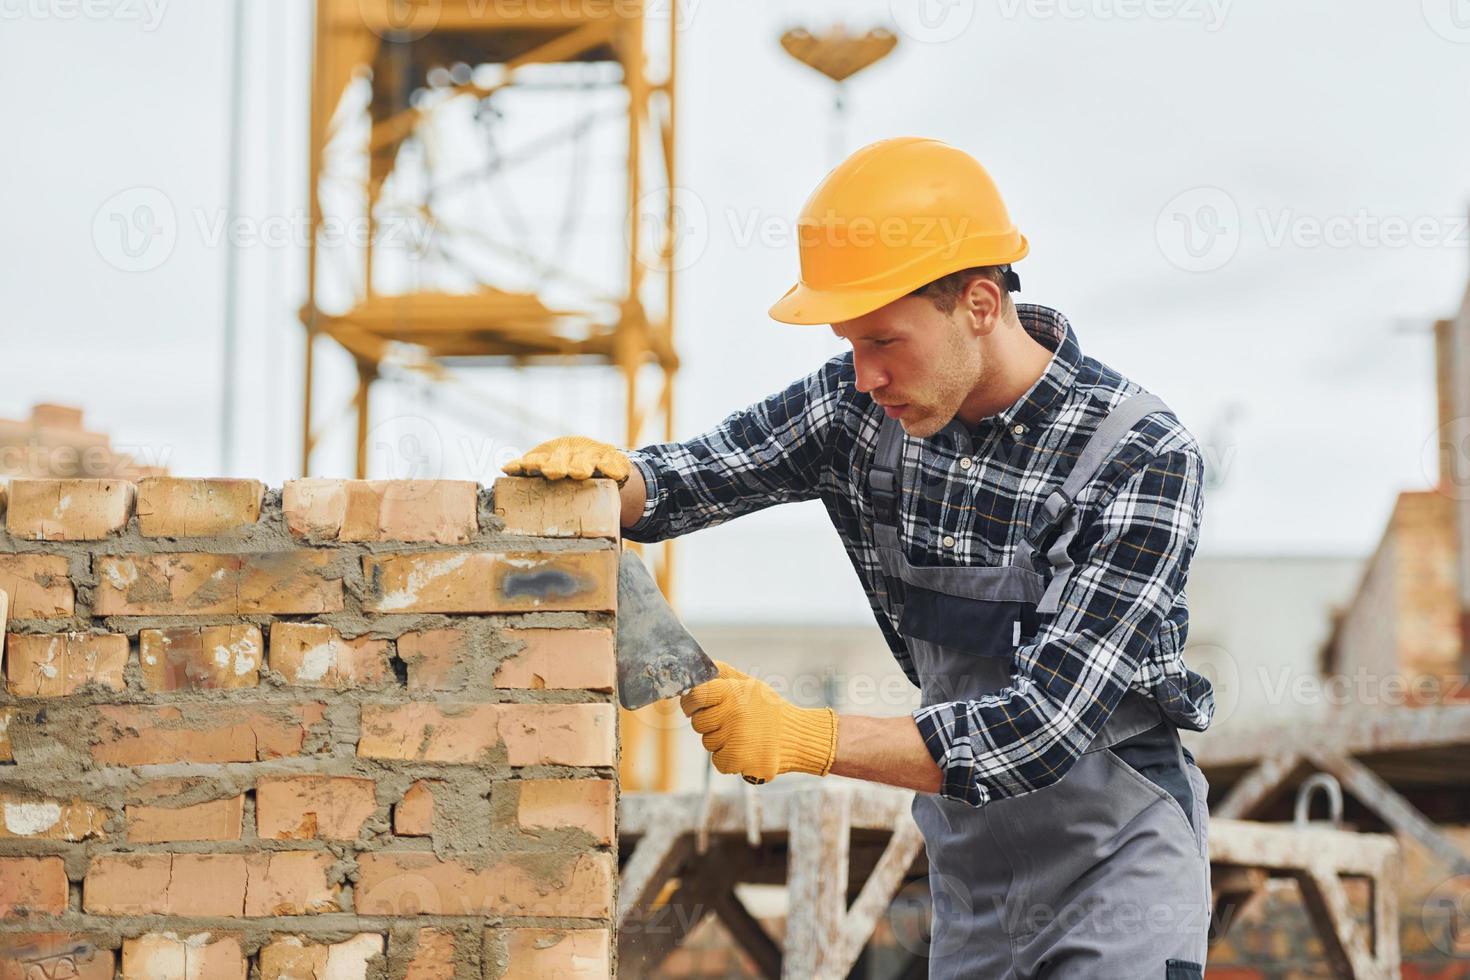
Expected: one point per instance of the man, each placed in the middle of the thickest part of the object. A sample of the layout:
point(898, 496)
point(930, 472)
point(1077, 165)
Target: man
point(1022, 518)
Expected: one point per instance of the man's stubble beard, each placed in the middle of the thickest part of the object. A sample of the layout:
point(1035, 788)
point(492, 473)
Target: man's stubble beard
point(958, 375)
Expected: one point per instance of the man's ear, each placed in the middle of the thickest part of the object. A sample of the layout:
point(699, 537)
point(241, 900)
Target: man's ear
point(982, 300)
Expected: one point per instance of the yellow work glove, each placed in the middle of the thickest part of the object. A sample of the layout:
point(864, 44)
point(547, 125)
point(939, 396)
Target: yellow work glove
point(750, 729)
point(575, 457)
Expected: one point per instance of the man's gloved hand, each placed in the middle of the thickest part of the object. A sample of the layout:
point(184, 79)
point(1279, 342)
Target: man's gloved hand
point(574, 457)
point(750, 729)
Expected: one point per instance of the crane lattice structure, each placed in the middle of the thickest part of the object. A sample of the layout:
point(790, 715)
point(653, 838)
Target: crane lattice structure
point(424, 259)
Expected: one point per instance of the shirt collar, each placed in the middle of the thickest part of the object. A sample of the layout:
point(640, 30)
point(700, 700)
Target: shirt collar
point(1052, 331)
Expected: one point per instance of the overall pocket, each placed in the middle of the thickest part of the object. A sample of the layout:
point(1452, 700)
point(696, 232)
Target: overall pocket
point(990, 627)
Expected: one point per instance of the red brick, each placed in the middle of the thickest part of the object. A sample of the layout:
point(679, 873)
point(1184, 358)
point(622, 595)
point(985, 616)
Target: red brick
point(7, 750)
point(315, 655)
point(551, 658)
point(50, 665)
point(173, 507)
point(433, 956)
point(38, 586)
point(531, 734)
point(558, 508)
point(183, 956)
point(567, 804)
point(490, 582)
point(195, 583)
point(414, 814)
point(40, 955)
point(255, 884)
point(212, 820)
point(140, 735)
point(68, 510)
point(35, 818)
point(532, 953)
point(187, 658)
point(559, 734)
point(429, 732)
point(307, 807)
point(443, 511)
point(32, 886)
point(418, 883)
point(294, 958)
point(438, 660)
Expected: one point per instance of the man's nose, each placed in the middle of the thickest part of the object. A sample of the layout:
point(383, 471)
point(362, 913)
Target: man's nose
point(869, 376)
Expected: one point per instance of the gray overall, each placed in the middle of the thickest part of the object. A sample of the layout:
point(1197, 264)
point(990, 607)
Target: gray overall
point(1103, 874)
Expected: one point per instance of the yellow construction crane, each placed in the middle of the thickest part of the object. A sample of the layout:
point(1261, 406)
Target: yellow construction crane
point(402, 93)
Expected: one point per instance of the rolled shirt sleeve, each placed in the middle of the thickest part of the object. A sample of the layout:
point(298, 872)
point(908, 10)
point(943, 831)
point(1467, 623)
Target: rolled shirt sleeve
point(1131, 563)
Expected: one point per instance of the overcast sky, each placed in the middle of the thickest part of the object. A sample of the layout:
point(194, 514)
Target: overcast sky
point(1254, 208)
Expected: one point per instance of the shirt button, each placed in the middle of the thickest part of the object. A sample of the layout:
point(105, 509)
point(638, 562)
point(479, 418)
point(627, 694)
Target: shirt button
point(949, 541)
point(965, 463)
point(1018, 429)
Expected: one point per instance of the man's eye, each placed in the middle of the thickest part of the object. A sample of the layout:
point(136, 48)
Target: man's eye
point(881, 343)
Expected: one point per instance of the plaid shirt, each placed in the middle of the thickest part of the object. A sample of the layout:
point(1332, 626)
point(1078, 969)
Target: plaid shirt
point(1122, 619)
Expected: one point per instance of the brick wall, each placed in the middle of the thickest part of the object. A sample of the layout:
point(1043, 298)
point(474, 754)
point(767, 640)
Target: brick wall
point(1404, 618)
point(345, 729)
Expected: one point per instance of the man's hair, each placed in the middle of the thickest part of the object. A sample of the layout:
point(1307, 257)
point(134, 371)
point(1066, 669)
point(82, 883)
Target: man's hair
point(945, 292)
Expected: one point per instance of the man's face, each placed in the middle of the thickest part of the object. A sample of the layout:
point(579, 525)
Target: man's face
point(916, 361)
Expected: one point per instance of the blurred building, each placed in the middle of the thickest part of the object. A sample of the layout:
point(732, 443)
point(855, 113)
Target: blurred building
point(54, 443)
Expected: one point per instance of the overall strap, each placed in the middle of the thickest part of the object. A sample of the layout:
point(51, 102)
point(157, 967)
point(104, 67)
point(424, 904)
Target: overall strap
point(1059, 507)
point(884, 473)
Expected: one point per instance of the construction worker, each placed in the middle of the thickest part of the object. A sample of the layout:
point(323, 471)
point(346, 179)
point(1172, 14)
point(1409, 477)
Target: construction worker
point(1022, 518)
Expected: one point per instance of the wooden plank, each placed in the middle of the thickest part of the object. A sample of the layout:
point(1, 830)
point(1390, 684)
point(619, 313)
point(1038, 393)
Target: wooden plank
point(1351, 733)
point(1396, 811)
point(816, 885)
point(652, 863)
point(747, 931)
point(1235, 889)
point(1259, 787)
point(875, 898)
point(1332, 915)
point(1282, 847)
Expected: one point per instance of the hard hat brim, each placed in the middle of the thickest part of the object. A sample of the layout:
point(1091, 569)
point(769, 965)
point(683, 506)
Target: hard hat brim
point(806, 306)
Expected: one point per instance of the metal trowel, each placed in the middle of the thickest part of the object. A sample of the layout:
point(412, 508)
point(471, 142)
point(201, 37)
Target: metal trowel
point(657, 658)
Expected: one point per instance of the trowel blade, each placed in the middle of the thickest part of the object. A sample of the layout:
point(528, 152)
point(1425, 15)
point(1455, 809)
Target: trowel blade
point(657, 658)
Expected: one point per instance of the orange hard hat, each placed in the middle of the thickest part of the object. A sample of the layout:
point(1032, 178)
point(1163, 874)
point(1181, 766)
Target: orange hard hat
point(896, 215)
